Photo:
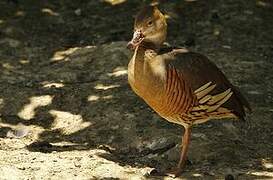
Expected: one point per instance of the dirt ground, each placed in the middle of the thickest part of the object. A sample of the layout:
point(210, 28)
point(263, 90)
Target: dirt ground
point(67, 112)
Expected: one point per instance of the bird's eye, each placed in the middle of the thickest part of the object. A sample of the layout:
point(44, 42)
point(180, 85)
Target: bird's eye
point(150, 23)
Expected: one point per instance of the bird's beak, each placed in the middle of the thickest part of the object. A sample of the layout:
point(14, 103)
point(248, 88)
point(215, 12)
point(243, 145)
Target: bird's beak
point(136, 40)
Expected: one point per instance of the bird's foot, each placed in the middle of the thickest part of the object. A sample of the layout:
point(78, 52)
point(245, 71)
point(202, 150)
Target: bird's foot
point(174, 172)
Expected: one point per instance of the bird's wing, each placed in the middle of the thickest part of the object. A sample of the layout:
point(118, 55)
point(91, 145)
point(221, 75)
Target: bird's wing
point(210, 88)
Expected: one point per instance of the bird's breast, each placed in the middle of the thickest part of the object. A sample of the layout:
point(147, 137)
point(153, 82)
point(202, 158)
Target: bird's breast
point(146, 77)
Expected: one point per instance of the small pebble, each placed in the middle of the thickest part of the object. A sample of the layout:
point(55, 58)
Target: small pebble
point(19, 132)
point(77, 164)
point(78, 12)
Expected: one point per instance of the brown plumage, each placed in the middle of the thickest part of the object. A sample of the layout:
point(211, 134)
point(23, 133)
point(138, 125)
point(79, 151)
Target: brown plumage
point(182, 87)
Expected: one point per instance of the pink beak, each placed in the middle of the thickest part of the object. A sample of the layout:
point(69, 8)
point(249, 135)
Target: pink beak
point(136, 40)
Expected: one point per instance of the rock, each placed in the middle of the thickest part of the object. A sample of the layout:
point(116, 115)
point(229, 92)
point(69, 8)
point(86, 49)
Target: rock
point(19, 132)
point(78, 12)
point(13, 43)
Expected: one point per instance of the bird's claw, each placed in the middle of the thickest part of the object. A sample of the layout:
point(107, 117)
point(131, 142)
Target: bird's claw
point(175, 172)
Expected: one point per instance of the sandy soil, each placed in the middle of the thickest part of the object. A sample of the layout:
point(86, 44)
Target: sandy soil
point(67, 112)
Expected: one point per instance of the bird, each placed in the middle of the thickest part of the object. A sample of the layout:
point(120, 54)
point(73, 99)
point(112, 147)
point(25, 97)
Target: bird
point(181, 86)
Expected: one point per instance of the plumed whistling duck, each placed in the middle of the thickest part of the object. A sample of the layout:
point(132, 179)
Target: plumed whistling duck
point(183, 87)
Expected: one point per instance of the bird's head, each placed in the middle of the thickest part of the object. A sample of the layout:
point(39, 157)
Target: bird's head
point(150, 27)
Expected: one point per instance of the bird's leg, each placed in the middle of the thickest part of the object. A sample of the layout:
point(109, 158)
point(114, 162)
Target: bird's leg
point(183, 156)
point(185, 147)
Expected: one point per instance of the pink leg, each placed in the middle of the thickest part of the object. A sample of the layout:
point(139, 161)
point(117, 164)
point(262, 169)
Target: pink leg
point(183, 156)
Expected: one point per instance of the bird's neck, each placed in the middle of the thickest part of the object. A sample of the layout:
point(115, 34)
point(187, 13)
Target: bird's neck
point(143, 74)
point(149, 46)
